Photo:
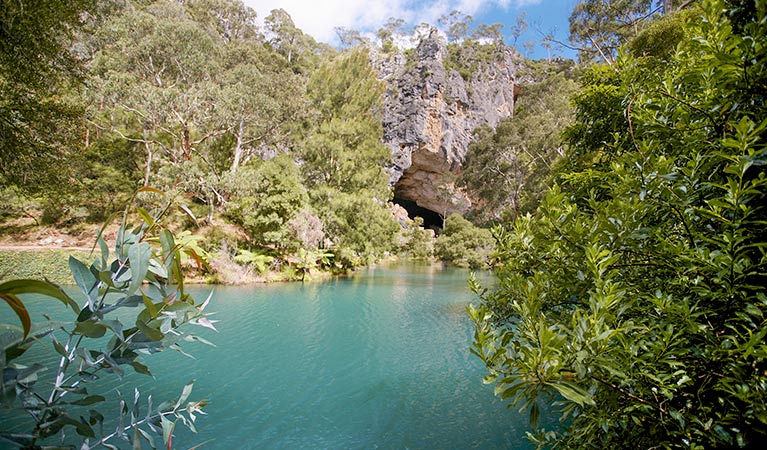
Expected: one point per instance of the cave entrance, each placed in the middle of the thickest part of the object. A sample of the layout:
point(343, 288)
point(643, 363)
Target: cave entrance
point(431, 219)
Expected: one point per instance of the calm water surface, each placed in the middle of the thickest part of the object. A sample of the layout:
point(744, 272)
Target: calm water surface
point(376, 361)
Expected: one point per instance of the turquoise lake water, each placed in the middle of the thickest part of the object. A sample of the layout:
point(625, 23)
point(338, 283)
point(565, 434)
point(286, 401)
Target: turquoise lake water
point(379, 360)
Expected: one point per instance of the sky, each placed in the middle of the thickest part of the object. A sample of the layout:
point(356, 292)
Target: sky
point(319, 18)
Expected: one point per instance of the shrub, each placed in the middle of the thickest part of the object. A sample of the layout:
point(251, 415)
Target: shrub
point(463, 244)
point(143, 272)
point(418, 243)
point(634, 297)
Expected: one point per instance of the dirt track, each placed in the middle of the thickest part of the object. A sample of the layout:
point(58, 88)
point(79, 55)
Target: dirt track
point(31, 248)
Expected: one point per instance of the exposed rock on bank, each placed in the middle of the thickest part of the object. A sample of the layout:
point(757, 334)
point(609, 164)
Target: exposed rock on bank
point(431, 111)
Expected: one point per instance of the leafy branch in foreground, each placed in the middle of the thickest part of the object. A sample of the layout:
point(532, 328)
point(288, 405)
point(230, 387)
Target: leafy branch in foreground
point(633, 301)
point(143, 275)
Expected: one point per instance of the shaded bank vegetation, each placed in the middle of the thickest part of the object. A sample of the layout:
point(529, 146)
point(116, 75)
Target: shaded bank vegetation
point(633, 296)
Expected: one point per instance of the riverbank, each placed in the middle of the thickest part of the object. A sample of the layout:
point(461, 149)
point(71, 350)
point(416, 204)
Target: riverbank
point(19, 262)
point(52, 264)
point(28, 250)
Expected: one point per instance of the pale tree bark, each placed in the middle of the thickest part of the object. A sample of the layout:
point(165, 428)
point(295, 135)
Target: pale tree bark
point(148, 168)
point(238, 148)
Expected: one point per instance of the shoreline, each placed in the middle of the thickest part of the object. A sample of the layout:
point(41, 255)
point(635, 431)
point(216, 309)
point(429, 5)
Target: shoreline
point(52, 263)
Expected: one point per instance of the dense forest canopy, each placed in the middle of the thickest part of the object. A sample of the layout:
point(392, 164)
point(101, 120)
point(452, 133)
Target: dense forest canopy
point(248, 120)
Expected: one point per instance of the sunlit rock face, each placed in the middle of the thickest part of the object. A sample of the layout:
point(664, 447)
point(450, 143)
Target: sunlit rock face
point(430, 113)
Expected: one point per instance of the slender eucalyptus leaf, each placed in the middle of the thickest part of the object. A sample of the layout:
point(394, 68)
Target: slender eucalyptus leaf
point(138, 255)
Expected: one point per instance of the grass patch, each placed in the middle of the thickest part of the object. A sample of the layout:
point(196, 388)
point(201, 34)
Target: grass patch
point(52, 265)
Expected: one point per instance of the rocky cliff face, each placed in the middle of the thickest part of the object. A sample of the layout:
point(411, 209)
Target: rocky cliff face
point(430, 113)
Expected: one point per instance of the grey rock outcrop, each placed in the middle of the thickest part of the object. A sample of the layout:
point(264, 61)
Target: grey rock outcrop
point(430, 113)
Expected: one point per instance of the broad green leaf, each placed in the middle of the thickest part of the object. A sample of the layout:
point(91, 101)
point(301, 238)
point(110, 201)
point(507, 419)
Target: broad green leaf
point(14, 343)
point(21, 311)
point(28, 375)
point(151, 333)
point(116, 326)
point(90, 329)
point(140, 368)
point(138, 255)
point(145, 215)
point(168, 249)
point(85, 280)
point(25, 286)
point(59, 348)
point(89, 400)
point(151, 309)
point(104, 250)
point(535, 415)
point(158, 269)
point(185, 393)
point(573, 393)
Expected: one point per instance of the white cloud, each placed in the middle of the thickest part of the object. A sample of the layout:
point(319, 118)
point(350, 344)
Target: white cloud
point(319, 17)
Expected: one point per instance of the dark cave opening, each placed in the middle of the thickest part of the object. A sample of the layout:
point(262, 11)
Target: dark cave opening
point(431, 219)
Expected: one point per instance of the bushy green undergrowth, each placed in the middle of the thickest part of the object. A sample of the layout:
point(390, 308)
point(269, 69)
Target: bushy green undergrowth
point(633, 298)
point(49, 264)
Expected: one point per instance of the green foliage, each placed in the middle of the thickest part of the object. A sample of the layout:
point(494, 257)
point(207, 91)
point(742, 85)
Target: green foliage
point(343, 157)
point(50, 264)
point(463, 244)
point(357, 223)
point(258, 260)
point(418, 243)
point(470, 57)
point(299, 50)
point(634, 297)
point(194, 92)
point(599, 27)
point(507, 168)
point(39, 116)
point(266, 196)
point(342, 147)
point(142, 272)
point(657, 41)
point(311, 260)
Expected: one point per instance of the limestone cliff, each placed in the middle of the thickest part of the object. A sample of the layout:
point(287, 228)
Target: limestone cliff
point(430, 112)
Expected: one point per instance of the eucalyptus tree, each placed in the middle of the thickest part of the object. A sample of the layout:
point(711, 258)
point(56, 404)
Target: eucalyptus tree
point(40, 114)
point(518, 28)
point(231, 19)
point(259, 99)
point(343, 157)
point(456, 25)
point(506, 168)
point(299, 49)
point(488, 33)
point(599, 27)
point(393, 28)
point(155, 73)
point(266, 196)
point(342, 147)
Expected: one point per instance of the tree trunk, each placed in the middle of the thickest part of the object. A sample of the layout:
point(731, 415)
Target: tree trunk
point(238, 148)
point(187, 144)
point(148, 169)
